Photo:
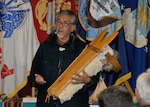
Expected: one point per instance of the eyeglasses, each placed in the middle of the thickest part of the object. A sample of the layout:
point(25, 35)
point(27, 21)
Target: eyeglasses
point(64, 24)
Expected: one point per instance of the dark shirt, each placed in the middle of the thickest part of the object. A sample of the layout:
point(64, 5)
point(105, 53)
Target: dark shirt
point(50, 62)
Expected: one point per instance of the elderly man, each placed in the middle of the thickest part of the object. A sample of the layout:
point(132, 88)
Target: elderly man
point(143, 89)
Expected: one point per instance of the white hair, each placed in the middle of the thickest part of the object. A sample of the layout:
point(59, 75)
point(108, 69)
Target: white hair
point(143, 86)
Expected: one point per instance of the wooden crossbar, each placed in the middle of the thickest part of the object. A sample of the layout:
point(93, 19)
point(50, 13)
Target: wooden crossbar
point(124, 79)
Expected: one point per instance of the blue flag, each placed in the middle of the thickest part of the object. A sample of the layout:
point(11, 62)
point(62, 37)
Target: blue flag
point(136, 27)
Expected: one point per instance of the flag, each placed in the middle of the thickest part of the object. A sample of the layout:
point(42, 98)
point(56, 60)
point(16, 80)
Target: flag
point(39, 10)
point(18, 44)
point(94, 18)
point(73, 7)
point(108, 15)
point(136, 21)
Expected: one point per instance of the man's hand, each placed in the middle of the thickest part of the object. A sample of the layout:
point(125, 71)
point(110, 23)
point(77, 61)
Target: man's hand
point(81, 78)
point(39, 79)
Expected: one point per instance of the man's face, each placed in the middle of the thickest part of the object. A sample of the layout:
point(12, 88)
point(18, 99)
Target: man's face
point(64, 26)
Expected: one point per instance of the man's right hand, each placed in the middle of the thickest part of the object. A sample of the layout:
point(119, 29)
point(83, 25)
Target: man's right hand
point(39, 79)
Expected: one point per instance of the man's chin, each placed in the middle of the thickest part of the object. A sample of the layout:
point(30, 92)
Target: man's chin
point(60, 36)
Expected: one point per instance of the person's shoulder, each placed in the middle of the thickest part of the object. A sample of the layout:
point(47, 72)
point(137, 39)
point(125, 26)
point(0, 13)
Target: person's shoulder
point(44, 43)
point(49, 40)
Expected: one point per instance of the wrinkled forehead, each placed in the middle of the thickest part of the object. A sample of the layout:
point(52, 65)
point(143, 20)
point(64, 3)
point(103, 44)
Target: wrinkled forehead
point(64, 17)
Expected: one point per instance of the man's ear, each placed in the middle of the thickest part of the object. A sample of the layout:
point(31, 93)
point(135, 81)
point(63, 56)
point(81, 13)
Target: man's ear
point(73, 28)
